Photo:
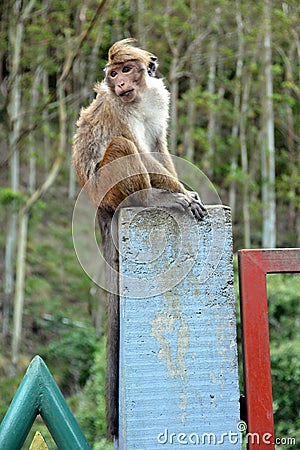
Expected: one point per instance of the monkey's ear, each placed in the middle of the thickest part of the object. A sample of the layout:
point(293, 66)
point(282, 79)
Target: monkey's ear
point(152, 66)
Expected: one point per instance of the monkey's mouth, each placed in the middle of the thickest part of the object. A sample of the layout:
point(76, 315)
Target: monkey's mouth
point(127, 93)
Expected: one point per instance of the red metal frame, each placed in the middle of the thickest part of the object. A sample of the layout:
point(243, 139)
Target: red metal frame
point(254, 265)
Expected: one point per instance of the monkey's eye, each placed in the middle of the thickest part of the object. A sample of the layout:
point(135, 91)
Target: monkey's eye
point(126, 69)
point(113, 73)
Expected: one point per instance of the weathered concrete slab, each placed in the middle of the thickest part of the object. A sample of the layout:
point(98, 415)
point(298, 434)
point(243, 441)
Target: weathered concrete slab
point(178, 355)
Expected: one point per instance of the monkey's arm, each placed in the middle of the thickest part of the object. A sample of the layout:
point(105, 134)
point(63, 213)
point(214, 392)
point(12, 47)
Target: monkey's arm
point(164, 156)
point(88, 150)
point(162, 179)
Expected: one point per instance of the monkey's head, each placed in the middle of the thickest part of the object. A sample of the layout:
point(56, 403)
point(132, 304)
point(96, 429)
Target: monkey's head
point(127, 69)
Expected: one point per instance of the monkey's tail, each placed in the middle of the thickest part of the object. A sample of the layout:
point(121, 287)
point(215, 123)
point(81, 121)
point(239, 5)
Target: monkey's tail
point(112, 306)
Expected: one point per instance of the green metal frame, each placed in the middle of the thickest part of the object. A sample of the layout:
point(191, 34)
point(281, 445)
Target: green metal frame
point(39, 394)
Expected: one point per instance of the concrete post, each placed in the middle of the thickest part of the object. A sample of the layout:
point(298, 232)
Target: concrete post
point(178, 351)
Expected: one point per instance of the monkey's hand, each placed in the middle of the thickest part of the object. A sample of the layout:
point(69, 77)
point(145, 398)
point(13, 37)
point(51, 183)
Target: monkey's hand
point(196, 206)
point(189, 202)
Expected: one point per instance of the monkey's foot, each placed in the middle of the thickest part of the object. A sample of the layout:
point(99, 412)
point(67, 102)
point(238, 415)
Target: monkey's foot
point(186, 203)
point(196, 206)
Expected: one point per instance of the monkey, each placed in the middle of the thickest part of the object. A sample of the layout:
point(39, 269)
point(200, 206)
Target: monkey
point(127, 118)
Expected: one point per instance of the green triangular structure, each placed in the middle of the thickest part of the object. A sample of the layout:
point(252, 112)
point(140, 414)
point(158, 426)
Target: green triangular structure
point(39, 394)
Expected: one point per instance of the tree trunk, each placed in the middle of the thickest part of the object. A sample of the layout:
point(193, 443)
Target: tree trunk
point(46, 134)
point(15, 33)
point(140, 13)
point(293, 169)
point(195, 58)
point(189, 145)
point(23, 225)
point(211, 87)
point(173, 106)
point(212, 113)
point(19, 291)
point(268, 145)
point(236, 106)
point(32, 142)
point(244, 160)
point(21, 255)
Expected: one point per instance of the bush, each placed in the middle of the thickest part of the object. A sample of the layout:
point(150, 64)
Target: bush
point(71, 358)
point(91, 414)
point(284, 319)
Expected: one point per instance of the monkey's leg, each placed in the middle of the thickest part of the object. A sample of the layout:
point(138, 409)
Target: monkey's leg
point(162, 179)
point(130, 174)
point(116, 192)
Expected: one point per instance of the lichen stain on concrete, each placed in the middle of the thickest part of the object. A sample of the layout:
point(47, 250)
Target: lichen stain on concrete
point(213, 377)
point(183, 402)
point(222, 342)
point(171, 323)
point(172, 332)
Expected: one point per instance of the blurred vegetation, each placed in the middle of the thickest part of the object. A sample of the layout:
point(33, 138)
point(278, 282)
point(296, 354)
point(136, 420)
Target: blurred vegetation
point(284, 319)
point(283, 292)
point(210, 54)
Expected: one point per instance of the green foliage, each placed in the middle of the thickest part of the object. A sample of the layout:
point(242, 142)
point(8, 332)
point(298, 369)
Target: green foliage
point(286, 387)
point(91, 412)
point(284, 318)
point(8, 196)
point(8, 388)
point(71, 356)
point(37, 211)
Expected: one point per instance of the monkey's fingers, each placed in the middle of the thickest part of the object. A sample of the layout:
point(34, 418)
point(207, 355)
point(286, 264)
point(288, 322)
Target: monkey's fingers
point(198, 209)
point(189, 202)
point(192, 204)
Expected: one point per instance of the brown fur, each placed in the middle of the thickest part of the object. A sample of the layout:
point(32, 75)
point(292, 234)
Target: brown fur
point(111, 127)
point(123, 51)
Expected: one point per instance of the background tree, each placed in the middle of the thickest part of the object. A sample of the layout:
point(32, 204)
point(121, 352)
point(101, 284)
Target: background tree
point(268, 144)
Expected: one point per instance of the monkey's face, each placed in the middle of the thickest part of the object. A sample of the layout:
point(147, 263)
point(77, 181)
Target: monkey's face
point(126, 80)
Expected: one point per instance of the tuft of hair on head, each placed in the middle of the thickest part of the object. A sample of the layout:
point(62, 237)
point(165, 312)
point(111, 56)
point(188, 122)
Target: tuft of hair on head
point(123, 51)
